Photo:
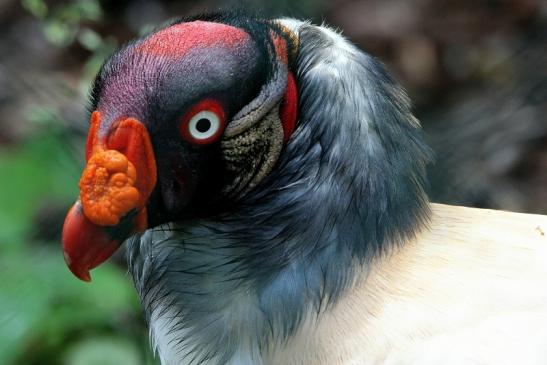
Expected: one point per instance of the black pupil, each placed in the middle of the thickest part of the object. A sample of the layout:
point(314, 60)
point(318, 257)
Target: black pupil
point(203, 125)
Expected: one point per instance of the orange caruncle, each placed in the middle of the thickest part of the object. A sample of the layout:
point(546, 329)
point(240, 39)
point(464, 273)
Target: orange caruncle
point(107, 187)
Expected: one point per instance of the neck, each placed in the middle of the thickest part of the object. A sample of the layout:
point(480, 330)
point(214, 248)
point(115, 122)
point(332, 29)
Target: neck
point(347, 187)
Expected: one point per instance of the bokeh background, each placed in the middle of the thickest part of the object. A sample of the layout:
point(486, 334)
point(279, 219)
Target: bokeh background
point(476, 71)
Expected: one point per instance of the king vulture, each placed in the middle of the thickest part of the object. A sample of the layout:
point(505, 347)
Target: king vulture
point(268, 179)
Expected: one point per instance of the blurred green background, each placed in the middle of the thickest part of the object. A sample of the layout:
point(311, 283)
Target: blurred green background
point(474, 69)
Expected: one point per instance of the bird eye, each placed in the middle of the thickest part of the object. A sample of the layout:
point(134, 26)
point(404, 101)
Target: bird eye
point(204, 123)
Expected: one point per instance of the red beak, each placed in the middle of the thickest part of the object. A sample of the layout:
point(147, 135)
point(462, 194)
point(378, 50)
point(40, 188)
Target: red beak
point(116, 183)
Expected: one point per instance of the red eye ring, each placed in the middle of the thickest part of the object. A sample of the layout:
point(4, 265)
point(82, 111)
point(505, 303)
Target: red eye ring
point(203, 123)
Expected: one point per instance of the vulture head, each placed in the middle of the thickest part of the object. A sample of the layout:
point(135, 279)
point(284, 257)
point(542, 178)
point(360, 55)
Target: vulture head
point(253, 166)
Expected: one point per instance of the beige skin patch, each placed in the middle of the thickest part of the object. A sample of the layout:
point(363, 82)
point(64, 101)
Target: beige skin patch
point(252, 154)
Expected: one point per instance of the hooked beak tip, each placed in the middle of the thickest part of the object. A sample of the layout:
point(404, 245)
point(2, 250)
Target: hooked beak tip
point(81, 273)
point(85, 244)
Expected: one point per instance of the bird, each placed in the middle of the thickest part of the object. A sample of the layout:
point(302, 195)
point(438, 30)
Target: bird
point(268, 179)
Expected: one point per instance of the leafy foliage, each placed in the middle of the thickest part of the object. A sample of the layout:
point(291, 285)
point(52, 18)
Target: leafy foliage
point(46, 315)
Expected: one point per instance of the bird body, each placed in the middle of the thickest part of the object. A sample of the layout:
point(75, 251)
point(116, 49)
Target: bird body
point(271, 178)
point(470, 289)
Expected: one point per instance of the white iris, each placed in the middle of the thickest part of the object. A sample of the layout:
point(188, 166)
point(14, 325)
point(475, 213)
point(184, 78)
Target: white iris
point(204, 125)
